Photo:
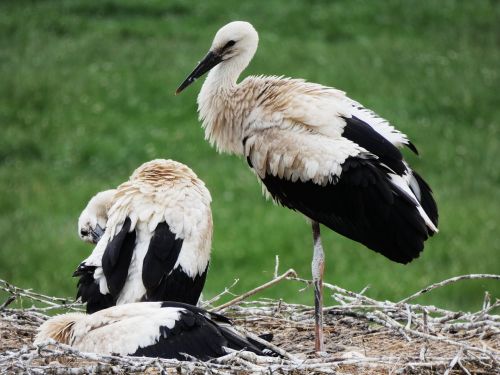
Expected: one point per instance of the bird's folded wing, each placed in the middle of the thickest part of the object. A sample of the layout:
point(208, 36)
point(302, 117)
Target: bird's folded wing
point(322, 108)
point(380, 125)
point(340, 184)
point(299, 155)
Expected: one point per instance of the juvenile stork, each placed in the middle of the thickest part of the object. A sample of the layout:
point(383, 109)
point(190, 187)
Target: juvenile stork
point(316, 151)
point(157, 239)
point(150, 329)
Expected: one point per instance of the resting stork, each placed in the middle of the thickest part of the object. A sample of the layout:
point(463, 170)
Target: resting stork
point(316, 151)
point(150, 329)
point(157, 239)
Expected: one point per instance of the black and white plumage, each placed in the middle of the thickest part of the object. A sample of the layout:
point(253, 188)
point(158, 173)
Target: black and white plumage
point(157, 241)
point(150, 329)
point(315, 151)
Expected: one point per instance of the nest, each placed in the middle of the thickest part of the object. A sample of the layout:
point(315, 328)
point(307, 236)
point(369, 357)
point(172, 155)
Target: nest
point(362, 335)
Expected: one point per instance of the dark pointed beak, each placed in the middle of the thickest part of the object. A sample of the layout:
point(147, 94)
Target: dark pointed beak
point(96, 233)
point(208, 62)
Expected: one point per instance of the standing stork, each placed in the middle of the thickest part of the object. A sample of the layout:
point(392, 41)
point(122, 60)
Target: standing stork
point(150, 329)
point(316, 151)
point(157, 239)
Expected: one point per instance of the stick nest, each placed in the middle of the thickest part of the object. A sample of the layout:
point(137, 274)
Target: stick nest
point(362, 335)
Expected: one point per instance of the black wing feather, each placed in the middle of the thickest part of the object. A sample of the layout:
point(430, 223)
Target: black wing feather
point(88, 290)
point(161, 257)
point(364, 135)
point(196, 335)
point(412, 147)
point(362, 205)
point(116, 258)
point(191, 335)
point(161, 280)
point(427, 200)
point(178, 286)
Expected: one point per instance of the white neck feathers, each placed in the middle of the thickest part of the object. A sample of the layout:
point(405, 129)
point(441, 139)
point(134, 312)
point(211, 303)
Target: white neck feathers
point(219, 104)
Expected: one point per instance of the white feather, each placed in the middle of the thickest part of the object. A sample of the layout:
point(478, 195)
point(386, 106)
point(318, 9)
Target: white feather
point(403, 182)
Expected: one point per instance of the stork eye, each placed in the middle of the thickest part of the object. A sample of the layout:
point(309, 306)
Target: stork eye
point(229, 44)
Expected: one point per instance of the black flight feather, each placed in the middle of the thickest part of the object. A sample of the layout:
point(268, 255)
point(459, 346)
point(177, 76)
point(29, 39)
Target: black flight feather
point(197, 334)
point(162, 281)
point(88, 290)
point(427, 200)
point(162, 254)
point(365, 136)
point(362, 205)
point(178, 286)
point(116, 258)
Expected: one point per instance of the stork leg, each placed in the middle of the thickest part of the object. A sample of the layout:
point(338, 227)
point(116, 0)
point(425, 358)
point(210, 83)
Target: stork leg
point(318, 264)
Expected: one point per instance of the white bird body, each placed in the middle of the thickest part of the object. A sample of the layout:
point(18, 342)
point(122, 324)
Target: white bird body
point(158, 192)
point(315, 151)
point(153, 329)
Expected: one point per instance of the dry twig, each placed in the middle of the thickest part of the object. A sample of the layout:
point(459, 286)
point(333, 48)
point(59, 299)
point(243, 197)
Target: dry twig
point(287, 274)
point(448, 282)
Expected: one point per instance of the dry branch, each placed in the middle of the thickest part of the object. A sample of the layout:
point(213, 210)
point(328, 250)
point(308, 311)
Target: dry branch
point(287, 274)
point(448, 282)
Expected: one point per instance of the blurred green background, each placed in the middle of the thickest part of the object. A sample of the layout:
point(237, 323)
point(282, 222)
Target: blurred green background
point(87, 89)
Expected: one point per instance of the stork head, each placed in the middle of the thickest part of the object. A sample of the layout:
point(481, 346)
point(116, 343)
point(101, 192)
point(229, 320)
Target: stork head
point(235, 43)
point(93, 219)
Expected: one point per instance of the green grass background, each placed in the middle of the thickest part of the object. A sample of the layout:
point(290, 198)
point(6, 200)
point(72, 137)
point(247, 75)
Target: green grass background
point(86, 92)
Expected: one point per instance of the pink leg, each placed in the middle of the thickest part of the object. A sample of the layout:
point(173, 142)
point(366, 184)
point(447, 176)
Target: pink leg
point(318, 265)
